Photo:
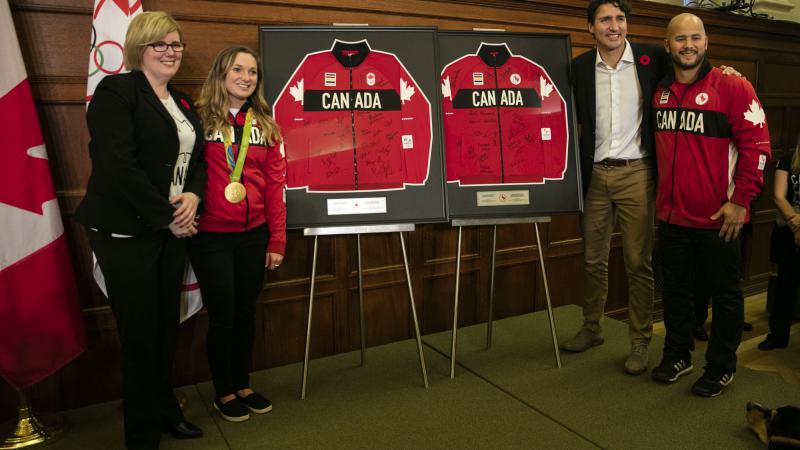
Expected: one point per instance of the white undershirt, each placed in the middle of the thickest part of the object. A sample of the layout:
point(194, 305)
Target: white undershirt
point(618, 100)
point(186, 137)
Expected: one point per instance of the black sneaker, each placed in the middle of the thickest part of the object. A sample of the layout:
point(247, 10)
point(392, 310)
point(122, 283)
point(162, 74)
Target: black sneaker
point(257, 403)
point(771, 343)
point(671, 369)
point(232, 411)
point(712, 383)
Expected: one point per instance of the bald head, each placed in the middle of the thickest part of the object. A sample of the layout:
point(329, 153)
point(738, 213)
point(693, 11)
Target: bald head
point(686, 42)
point(683, 21)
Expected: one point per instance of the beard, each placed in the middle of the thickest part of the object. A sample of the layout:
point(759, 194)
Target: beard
point(676, 58)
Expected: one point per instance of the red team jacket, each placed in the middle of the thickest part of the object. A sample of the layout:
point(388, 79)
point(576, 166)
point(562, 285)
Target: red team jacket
point(264, 177)
point(504, 120)
point(712, 145)
point(354, 119)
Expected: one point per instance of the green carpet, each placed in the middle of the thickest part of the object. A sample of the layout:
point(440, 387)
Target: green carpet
point(592, 396)
point(382, 405)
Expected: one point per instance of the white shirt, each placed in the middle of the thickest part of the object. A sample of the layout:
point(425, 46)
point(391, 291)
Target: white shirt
point(186, 137)
point(618, 108)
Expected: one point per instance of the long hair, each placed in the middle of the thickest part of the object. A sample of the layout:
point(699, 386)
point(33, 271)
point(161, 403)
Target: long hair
point(796, 157)
point(145, 29)
point(213, 103)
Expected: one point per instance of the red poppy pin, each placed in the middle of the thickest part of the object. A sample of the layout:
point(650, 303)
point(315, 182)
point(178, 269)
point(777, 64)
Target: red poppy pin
point(240, 119)
point(184, 103)
point(644, 60)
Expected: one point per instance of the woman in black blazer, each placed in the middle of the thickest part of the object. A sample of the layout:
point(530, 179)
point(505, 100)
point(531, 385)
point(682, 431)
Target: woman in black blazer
point(148, 176)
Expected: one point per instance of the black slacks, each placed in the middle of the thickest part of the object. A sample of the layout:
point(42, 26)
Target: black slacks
point(143, 276)
point(787, 255)
point(686, 252)
point(230, 271)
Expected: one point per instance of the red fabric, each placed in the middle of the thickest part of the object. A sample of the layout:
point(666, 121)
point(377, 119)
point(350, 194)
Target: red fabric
point(504, 129)
point(364, 146)
point(264, 178)
point(712, 144)
point(40, 318)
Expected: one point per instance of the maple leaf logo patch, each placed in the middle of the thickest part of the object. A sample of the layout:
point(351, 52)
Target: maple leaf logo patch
point(756, 114)
point(544, 87)
point(297, 92)
point(406, 91)
point(446, 88)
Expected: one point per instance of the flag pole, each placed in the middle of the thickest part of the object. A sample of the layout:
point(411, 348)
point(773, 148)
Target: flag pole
point(30, 429)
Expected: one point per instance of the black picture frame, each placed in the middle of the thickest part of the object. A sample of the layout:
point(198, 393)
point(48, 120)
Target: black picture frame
point(284, 48)
point(551, 197)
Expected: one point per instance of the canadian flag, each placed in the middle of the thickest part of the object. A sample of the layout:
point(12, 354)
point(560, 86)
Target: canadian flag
point(41, 329)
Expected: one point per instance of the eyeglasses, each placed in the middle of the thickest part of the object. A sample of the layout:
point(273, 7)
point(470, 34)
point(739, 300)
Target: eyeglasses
point(161, 46)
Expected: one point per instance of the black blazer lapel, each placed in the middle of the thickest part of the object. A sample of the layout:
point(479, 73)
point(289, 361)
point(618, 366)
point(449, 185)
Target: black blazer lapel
point(150, 96)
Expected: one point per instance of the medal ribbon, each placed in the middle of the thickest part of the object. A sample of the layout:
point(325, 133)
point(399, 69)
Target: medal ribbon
point(236, 170)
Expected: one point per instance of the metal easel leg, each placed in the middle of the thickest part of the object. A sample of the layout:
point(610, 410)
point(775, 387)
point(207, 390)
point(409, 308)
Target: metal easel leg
point(414, 313)
point(491, 290)
point(308, 327)
point(454, 340)
point(547, 296)
point(361, 304)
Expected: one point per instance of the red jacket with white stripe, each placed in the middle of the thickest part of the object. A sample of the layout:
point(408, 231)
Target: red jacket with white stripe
point(712, 145)
point(354, 119)
point(504, 120)
point(264, 178)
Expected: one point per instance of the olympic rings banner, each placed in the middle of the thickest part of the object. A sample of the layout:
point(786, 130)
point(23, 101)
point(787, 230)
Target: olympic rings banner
point(110, 21)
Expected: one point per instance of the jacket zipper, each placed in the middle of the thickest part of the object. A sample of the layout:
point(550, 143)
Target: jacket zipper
point(353, 129)
point(499, 126)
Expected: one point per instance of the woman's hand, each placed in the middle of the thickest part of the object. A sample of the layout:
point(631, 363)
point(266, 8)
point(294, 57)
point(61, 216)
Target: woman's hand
point(186, 209)
point(182, 232)
point(794, 222)
point(274, 260)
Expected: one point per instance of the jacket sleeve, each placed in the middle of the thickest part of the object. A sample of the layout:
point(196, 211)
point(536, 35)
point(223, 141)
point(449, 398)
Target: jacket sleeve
point(113, 149)
point(554, 134)
point(750, 135)
point(288, 111)
point(415, 129)
point(276, 202)
point(452, 132)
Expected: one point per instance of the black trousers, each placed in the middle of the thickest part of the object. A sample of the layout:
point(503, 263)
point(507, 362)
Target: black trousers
point(143, 276)
point(230, 271)
point(787, 255)
point(686, 252)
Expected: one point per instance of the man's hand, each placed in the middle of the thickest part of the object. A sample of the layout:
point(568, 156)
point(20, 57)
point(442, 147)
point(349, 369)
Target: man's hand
point(186, 208)
point(728, 70)
point(733, 219)
point(274, 260)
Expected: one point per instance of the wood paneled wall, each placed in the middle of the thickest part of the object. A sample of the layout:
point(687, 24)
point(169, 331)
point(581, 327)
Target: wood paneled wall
point(54, 36)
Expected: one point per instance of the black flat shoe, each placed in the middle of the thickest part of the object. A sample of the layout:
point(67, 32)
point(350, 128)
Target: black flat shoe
point(771, 344)
point(184, 430)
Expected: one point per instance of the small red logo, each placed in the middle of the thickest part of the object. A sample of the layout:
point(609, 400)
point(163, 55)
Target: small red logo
point(184, 103)
point(644, 60)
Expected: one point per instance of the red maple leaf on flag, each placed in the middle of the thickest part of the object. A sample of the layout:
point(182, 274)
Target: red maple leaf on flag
point(27, 184)
point(123, 5)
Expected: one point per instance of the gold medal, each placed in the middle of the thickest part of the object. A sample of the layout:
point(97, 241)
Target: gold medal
point(235, 192)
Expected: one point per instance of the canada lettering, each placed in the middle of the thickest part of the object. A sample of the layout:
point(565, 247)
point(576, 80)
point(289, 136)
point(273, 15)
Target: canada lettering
point(508, 97)
point(341, 100)
point(671, 120)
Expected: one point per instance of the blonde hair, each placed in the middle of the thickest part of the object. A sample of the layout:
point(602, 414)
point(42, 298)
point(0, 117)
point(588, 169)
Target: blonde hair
point(213, 102)
point(144, 29)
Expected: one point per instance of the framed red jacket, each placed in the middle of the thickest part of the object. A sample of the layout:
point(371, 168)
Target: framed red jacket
point(354, 119)
point(505, 122)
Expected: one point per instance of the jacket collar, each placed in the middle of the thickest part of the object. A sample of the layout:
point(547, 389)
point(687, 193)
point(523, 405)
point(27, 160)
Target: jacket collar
point(494, 55)
point(350, 54)
point(705, 68)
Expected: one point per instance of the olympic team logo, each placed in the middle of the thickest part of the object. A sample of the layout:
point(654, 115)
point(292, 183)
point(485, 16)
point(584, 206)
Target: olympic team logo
point(110, 21)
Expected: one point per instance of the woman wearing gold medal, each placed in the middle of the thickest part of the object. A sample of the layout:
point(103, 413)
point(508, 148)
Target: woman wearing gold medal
point(242, 228)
